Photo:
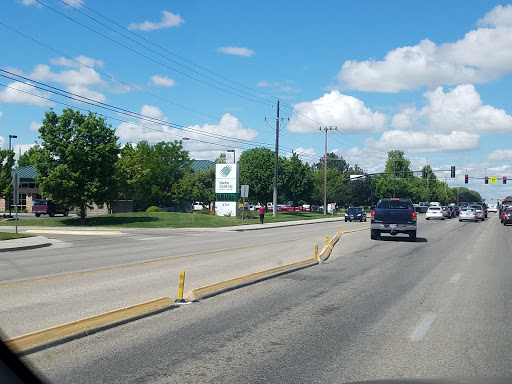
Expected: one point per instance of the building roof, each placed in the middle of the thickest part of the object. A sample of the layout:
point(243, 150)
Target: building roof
point(27, 173)
point(202, 165)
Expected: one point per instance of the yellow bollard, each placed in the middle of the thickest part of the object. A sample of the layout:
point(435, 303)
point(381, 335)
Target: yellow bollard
point(326, 240)
point(316, 252)
point(341, 228)
point(180, 288)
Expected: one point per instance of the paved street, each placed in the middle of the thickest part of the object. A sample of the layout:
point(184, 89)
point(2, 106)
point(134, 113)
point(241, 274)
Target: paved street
point(85, 275)
point(377, 309)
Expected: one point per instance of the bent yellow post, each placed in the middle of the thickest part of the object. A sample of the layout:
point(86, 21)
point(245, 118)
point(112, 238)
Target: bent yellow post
point(181, 286)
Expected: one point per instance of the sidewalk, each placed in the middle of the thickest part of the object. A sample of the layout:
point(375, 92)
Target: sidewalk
point(24, 243)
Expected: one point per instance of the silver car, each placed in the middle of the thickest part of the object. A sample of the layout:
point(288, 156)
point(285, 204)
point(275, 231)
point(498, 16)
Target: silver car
point(479, 211)
point(468, 214)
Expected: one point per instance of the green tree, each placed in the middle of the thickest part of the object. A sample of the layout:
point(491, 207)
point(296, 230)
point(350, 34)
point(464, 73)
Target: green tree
point(334, 190)
point(397, 162)
point(333, 161)
point(295, 180)
point(256, 167)
point(148, 172)
point(221, 159)
point(76, 163)
point(6, 165)
point(197, 186)
point(26, 159)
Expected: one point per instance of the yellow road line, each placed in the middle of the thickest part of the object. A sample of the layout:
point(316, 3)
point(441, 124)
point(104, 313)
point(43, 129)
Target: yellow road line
point(145, 264)
point(59, 232)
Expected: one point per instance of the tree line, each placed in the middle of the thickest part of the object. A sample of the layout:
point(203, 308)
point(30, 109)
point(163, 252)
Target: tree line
point(79, 161)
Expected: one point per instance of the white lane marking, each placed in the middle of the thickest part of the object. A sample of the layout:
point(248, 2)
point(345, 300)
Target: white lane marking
point(423, 327)
point(455, 278)
point(151, 238)
point(468, 257)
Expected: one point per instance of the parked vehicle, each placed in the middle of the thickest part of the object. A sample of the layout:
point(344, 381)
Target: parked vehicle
point(393, 216)
point(507, 217)
point(355, 213)
point(468, 214)
point(436, 203)
point(434, 212)
point(47, 207)
point(198, 206)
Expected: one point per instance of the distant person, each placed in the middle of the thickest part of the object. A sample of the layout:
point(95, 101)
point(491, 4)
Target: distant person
point(262, 212)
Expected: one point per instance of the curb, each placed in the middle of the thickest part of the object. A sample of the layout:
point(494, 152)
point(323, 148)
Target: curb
point(26, 247)
point(242, 281)
point(303, 222)
point(49, 337)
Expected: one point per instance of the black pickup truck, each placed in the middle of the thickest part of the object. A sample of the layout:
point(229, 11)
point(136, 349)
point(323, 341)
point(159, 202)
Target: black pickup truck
point(393, 216)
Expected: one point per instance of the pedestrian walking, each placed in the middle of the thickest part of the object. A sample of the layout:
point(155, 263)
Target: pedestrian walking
point(262, 212)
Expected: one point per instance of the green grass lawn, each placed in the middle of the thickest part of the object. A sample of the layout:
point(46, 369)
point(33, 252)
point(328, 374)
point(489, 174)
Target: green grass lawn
point(9, 236)
point(163, 220)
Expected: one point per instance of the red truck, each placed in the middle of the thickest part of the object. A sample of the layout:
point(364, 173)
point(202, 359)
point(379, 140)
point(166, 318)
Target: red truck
point(47, 207)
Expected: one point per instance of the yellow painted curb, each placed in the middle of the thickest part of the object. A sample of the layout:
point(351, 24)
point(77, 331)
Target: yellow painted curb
point(68, 330)
point(210, 290)
point(58, 232)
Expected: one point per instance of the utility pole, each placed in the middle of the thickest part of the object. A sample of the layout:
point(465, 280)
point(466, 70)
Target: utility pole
point(276, 162)
point(9, 200)
point(325, 129)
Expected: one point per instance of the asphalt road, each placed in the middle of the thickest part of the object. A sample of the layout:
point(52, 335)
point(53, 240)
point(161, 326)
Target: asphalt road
point(377, 309)
point(85, 275)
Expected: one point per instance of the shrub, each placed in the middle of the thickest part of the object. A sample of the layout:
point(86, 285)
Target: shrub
point(153, 208)
point(247, 215)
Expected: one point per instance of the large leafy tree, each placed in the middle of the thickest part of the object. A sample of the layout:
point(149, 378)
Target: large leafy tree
point(6, 164)
point(197, 186)
point(76, 163)
point(295, 180)
point(333, 161)
point(148, 172)
point(256, 168)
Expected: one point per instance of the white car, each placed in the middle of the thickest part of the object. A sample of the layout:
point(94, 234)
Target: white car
point(492, 208)
point(434, 212)
point(198, 206)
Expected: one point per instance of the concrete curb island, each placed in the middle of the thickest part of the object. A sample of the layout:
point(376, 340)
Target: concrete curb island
point(46, 338)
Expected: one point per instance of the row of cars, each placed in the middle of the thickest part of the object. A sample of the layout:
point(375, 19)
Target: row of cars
point(467, 212)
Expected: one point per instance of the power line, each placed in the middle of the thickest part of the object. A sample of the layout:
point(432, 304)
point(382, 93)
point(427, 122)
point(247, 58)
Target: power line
point(162, 48)
point(147, 57)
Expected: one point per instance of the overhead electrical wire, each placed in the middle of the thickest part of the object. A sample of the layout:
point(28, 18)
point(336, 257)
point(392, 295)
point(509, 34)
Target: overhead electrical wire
point(148, 57)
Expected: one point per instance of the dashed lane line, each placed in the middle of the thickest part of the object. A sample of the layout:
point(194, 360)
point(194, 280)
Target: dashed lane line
point(422, 329)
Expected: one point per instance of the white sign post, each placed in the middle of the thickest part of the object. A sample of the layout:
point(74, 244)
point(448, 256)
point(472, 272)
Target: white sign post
point(226, 189)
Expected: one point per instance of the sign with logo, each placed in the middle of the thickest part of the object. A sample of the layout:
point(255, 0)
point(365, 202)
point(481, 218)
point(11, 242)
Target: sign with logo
point(494, 179)
point(226, 189)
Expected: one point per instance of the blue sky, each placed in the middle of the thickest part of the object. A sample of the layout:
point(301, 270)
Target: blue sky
point(430, 78)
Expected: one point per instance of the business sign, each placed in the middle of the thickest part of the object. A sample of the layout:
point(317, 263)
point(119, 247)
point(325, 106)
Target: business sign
point(244, 190)
point(226, 189)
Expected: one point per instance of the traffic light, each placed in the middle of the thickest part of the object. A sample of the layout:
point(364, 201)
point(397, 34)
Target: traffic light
point(425, 173)
point(486, 180)
point(466, 179)
point(504, 179)
point(453, 171)
point(404, 173)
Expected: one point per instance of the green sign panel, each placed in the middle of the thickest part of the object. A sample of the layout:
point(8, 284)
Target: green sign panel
point(226, 197)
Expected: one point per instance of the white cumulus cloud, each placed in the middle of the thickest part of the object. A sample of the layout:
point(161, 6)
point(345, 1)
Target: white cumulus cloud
point(460, 109)
point(237, 51)
point(424, 142)
point(202, 141)
point(77, 62)
point(482, 55)
point(168, 20)
point(34, 127)
point(24, 93)
point(500, 155)
point(162, 81)
point(307, 155)
point(335, 109)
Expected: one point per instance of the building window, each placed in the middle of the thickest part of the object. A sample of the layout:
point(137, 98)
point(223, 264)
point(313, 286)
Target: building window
point(22, 202)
